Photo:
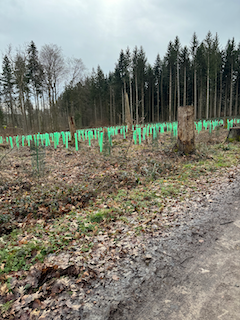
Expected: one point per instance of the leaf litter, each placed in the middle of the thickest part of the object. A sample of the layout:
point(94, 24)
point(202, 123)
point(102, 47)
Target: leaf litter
point(65, 233)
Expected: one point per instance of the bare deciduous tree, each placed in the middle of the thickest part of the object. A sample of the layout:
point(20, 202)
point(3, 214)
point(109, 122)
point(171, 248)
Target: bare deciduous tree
point(54, 68)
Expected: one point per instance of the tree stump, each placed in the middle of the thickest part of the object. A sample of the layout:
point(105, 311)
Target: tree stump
point(72, 127)
point(186, 130)
point(127, 113)
point(234, 134)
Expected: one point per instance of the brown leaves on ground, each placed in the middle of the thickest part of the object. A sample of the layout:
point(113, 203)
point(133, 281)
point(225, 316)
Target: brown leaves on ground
point(120, 189)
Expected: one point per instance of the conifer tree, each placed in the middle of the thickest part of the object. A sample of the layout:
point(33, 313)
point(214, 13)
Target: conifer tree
point(157, 74)
point(7, 81)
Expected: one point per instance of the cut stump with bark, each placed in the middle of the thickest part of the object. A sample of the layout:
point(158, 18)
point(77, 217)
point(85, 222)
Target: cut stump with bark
point(186, 130)
point(127, 112)
point(72, 127)
point(234, 134)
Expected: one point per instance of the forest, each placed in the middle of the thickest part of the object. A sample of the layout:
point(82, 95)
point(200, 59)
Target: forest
point(39, 89)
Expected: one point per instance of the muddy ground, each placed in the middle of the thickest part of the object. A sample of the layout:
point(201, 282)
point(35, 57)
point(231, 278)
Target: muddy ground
point(193, 274)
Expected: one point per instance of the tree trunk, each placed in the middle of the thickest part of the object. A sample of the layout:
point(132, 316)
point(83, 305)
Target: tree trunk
point(175, 100)
point(220, 97)
point(207, 102)
point(200, 101)
point(225, 103)
point(185, 88)
point(114, 109)
point(236, 100)
point(110, 106)
point(95, 112)
point(131, 98)
point(162, 114)
point(195, 93)
point(142, 96)
point(123, 117)
point(186, 130)
point(158, 107)
point(101, 110)
point(153, 118)
point(170, 95)
point(136, 84)
point(149, 104)
point(11, 108)
point(215, 97)
point(231, 92)
point(178, 86)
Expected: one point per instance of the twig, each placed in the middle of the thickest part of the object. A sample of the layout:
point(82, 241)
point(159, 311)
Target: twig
point(186, 259)
point(227, 222)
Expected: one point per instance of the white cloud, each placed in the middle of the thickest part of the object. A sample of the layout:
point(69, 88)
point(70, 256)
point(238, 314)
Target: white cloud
point(96, 30)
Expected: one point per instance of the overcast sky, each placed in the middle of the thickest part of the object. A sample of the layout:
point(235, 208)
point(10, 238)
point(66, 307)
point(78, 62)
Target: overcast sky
point(96, 30)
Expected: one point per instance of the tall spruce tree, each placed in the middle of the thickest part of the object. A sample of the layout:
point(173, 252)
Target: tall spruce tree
point(184, 67)
point(21, 82)
point(7, 80)
point(157, 69)
point(35, 77)
point(193, 48)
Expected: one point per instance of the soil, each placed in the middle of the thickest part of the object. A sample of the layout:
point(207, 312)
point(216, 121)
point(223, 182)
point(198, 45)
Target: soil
point(191, 274)
point(201, 279)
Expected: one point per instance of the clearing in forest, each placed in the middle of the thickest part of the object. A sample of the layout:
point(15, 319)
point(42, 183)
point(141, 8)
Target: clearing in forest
point(81, 211)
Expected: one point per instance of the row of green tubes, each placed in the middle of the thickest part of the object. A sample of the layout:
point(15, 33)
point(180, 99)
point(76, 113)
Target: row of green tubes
point(139, 132)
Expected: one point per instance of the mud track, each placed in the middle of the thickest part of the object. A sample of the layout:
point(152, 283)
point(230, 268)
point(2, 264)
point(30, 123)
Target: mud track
point(192, 274)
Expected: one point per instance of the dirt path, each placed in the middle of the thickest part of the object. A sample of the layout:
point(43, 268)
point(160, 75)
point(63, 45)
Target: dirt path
point(207, 289)
point(193, 274)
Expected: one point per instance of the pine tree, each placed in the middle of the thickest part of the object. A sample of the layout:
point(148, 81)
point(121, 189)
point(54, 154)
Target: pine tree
point(170, 59)
point(157, 74)
point(194, 46)
point(35, 76)
point(136, 77)
point(142, 60)
point(185, 66)
point(208, 45)
point(177, 48)
point(7, 80)
point(21, 81)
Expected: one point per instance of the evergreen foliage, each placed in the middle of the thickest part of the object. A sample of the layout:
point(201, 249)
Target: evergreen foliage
point(38, 93)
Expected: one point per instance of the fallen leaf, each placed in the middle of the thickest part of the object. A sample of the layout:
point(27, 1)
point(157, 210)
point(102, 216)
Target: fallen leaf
point(34, 313)
point(3, 289)
point(36, 304)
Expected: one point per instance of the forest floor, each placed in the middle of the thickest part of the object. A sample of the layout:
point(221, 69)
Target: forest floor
point(81, 232)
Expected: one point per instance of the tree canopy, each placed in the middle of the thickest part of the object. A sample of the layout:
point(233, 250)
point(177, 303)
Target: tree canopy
point(39, 89)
